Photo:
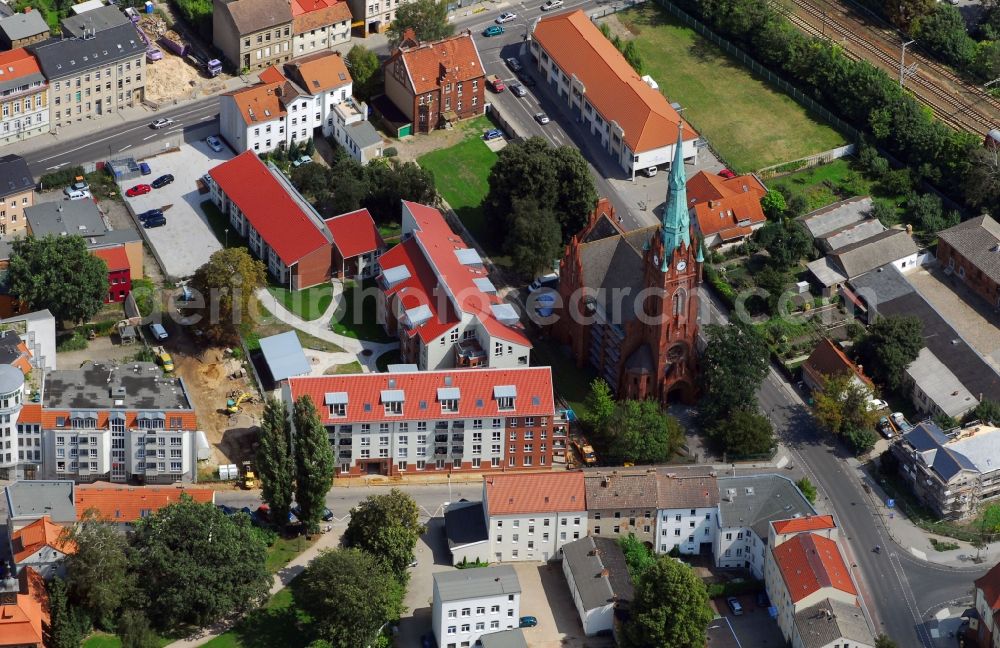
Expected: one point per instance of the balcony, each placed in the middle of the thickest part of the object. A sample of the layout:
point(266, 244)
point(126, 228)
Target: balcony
point(344, 442)
point(345, 454)
point(468, 353)
point(457, 450)
point(458, 425)
point(441, 438)
point(458, 437)
point(441, 451)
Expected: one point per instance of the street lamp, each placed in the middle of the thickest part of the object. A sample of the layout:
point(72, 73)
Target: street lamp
point(378, 632)
point(227, 237)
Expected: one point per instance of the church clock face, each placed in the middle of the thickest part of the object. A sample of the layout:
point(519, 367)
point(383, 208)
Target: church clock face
point(681, 266)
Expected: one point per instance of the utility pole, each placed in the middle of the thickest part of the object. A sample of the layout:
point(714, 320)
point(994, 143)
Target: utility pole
point(903, 71)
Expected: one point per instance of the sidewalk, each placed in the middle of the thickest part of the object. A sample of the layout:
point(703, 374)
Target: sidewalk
point(281, 580)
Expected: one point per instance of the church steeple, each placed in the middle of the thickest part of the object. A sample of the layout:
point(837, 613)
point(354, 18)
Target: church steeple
point(676, 225)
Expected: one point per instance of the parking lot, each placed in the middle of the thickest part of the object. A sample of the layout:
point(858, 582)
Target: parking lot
point(754, 627)
point(186, 241)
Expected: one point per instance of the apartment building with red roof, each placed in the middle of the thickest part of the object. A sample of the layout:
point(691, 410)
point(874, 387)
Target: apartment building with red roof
point(633, 121)
point(987, 604)
point(725, 211)
point(23, 97)
point(42, 546)
point(357, 244)
point(437, 298)
point(24, 611)
point(531, 516)
point(319, 25)
point(416, 422)
point(126, 505)
point(437, 83)
point(119, 272)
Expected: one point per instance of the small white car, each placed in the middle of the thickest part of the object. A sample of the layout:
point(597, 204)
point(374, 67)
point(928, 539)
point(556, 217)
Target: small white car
point(505, 17)
point(305, 159)
point(78, 195)
point(552, 4)
point(214, 143)
point(162, 123)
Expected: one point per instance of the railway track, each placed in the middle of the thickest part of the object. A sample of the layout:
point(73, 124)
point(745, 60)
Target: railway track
point(971, 110)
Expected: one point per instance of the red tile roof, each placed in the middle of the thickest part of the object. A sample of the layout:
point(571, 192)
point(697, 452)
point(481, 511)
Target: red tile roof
point(313, 14)
point(426, 63)
point(809, 563)
point(355, 233)
point(320, 72)
point(429, 257)
point(476, 398)
point(17, 63)
point(989, 583)
point(535, 493)
point(259, 103)
point(115, 257)
point(726, 207)
point(579, 48)
point(808, 523)
point(40, 533)
point(22, 624)
point(130, 503)
point(828, 360)
point(279, 219)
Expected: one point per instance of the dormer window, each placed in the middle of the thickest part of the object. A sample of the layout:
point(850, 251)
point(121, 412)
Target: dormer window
point(336, 404)
point(338, 410)
point(505, 403)
point(505, 396)
point(449, 405)
point(448, 397)
point(392, 401)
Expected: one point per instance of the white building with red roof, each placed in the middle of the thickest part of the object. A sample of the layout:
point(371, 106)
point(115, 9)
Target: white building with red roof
point(43, 546)
point(633, 121)
point(436, 296)
point(319, 25)
point(415, 422)
point(357, 244)
point(25, 100)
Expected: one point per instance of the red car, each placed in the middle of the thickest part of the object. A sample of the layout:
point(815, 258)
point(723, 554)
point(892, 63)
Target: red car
point(726, 173)
point(138, 190)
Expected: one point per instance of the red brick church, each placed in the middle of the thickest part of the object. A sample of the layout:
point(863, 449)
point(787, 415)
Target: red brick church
point(631, 299)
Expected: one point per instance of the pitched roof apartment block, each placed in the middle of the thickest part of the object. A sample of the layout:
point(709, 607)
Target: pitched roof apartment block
point(726, 211)
point(308, 15)
point(24, 611)
point(809, 563)
point(638, 115)
point(527, 494)
point(128, 504)
point(357, 244)
point(437, 297)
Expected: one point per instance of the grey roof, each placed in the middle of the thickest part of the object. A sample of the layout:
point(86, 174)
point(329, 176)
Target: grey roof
point(5, 10)
point(254, 15)
point(463, 584)
point(11, 379)
point(64, 57)
point(978, 240)
point(284, 356)
point(33, 498)
point(940, 385)
point(836, 216)
point(886, 292)
point(588, 558)
point(24, 25)
point(826, 271)
point(66, 217)
point(889, 246)
point(97, 386)
point(620, 491)
point(513, 638)
point(771, 497)
point(14, 175)
point(974, 449)
point(614, 263)
point(363, 134)
point(465, 524)
point(855, 233)
point(95, 20)
point(821, 624)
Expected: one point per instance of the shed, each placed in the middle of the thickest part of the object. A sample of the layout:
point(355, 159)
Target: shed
point(284, 356)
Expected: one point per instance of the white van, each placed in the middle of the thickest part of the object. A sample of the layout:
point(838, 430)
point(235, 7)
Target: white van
point(545, 281)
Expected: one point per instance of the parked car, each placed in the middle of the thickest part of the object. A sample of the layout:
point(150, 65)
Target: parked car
point(492, 134)
point(884, 427)
point(493, 30)
point(527, 622)
point(155, 221)
point(513, 64)
point(526, 79)
point(726, 173)
point(552, 4)
point(138, 190)
point(735, 606)
point(327, 513)
point(162, 181)
point(650, 171)
point(518, 89)
point(158, 331)
point(152, 213)
point(162, 123)
point(544, 281)
point(762, 600)
point(227, 510)
point(144, 168)
point(505, 17)
point(79, 195)
point(898, 419)
point(877, 404)
point(542, 118)
point(305, 159)
point(76, 186)
point(214, 143)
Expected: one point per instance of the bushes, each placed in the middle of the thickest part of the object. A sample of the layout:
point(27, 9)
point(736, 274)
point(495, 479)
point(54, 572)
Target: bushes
point(198, 13)
point(76, 341)
point(734, 588)
point(60, 178)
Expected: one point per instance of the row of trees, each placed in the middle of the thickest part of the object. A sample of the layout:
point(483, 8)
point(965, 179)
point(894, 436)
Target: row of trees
point(631, 431)
point(186, 565)
point(628, 48)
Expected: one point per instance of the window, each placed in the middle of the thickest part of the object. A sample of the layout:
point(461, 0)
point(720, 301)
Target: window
point(451, 630)
point(494, 609)
point(338, 410)
point(597, 530)
point(466, 612)
point(452, 614)
point(616, 529)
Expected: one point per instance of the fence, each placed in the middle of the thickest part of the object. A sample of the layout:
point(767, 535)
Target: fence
point(806, 162)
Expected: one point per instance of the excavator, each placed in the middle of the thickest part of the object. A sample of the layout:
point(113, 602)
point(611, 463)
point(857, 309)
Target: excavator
point(236, 399)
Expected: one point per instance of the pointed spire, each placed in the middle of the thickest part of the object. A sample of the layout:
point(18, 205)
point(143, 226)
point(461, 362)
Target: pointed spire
point(701, 252)
point(676, 224)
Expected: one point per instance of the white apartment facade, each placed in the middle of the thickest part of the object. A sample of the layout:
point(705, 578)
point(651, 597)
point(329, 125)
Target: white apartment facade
point(692, 531)
point(11, 397)
point(24, 102)
point(469, 603)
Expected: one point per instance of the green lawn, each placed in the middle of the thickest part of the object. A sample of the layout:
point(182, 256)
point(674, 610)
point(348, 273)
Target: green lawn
point(104, 640)
point(307, 304)
point(570, 382)
point(278, 623)
point(390, 232)
point(460, 174)
point(349, 368)
point(284, 549)
point(826, 184)
point(750, 123)
point(219, 224)
point(270, 325)
point(356, 321)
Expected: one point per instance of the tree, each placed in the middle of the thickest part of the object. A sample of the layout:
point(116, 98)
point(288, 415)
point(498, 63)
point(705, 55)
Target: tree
point(774, 205)
point(197, 565)
point(773, 281)
point(135, 632)
point(842, 405)
point(534, 238)
point(274, 460)
point(314, 181)
point(576, 193)
point(883, 641)
point(387, 527)
point(390, 183)
point(599, 406)
point(926, 213)
point(670, 608)
point(943, 32)
point(349, 594)
point(807, 488)
point(632, 55)
point(891, 345)
point(313, 462)
point(785, 242)
point(364, 67)
point(884, 213)
point(982, 184)
point(987, 411)
point(58, 273)
point(227, 283)
point(98, 579)
point(944, 421)
point(427, 18)
point(745, 432)
point(67, 625)
point(903, 13)
point(735, 361)
point(639, 432)
point(860, 440)
point(638, 557)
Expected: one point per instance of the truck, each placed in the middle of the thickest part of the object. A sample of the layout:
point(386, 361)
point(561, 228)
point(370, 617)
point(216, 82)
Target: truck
point(163, 359)
point(213, 68)
point(494, 82)
point(586, 452)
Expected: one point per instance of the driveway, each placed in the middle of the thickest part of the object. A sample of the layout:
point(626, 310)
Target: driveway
point(545, 596)
point(754, 627)
point(432, 557)
point(186, 242)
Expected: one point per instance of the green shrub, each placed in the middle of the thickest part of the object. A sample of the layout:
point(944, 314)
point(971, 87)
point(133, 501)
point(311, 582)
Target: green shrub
point(77, 341)
point(60, 178)
point(734, 588)
point(390, 152)
point(940, 545)
point(465, 564)
point(807, 488)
